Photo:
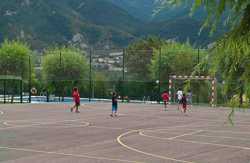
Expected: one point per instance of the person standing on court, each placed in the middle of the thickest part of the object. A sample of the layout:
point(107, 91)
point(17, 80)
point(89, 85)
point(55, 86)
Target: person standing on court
point(179, 97)
point(189, 98)
point(114, 104)
point(165, 98)
point(184, 103)
point(76, 99)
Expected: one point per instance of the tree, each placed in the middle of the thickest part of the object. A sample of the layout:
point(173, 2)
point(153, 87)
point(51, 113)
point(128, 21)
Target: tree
point(138, 57)
point(14, 63)
point(63, 68)
point(176, 59)
point(237, 13)
point(14, 59)
point(100, 86)
point(179, 59)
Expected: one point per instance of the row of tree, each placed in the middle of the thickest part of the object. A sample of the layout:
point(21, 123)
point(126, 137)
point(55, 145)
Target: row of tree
point(146, 61)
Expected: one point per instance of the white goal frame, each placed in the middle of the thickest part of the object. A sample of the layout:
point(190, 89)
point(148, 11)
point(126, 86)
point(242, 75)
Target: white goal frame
point(204, 78)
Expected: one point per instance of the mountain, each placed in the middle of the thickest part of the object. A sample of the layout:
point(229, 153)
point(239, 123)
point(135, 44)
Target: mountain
point(171, 22)
point(43, 22)
point(141, 9)
point(99, 23)
point(149, 10)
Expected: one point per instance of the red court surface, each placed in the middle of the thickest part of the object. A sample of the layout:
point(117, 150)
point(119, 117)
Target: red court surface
point(45, 133)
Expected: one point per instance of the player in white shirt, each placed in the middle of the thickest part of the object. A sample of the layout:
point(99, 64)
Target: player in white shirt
point(179, 97)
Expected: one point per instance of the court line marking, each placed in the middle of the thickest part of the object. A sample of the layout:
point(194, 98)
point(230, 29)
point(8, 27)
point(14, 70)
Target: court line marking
point(142, 133)
point(67, 154)
point(42, 123)
point(197, 142)
point(142, 152)
point(38, 120)
point(224, 137)
point(6, 124)
point(186, 134)
point(39, 124)
point(214, 144)
point(110, 128)
point(62, 127)
point(213, 131)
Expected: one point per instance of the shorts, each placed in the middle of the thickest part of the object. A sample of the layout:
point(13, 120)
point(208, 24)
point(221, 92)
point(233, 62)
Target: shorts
point(77, 103)
point(114, 107)
point(179, 101)
point(165, 102)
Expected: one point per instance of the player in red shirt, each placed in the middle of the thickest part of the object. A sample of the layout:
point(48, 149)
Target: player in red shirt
point(165, 98)
point(76, 99)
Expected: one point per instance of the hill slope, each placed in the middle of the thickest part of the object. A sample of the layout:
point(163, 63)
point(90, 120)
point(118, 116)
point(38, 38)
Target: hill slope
point(93, 22)
point(46, 21)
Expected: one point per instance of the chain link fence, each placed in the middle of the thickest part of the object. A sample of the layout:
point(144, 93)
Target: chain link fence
point(128, 72)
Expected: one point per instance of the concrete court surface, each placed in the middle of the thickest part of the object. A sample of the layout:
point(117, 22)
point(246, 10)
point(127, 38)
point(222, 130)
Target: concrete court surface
point(50, 133)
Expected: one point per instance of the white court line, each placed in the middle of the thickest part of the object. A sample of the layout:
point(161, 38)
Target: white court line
point(67, 154)
point(223, 137)
point(213, 131)
point(1, 112)
point(39, 124)
point(199, 135)
point(186, 134)
point(38, 120)
point(110, 128)
point(65, 126)
point(214, 144)
point(145, 153)
point(6, 123)
point(196, 142)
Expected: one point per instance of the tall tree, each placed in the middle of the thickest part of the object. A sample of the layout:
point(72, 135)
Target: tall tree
point(14, 59)
point(174, 59)
point(63, 68)
point(138, 58)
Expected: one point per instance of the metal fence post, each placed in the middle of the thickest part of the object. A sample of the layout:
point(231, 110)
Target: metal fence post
point(90, 74)
point(198, 87)
point(123, 73)
point(4, 91)
point(29, 80)
point(21, 91)
point(159, 77)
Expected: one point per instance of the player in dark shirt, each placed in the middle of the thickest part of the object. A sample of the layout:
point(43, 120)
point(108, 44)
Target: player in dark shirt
point(114, 105)
point(184, 103)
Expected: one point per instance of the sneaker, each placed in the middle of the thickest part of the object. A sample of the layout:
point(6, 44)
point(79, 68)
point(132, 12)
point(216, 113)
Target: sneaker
point(77, 111)
point(111, 115)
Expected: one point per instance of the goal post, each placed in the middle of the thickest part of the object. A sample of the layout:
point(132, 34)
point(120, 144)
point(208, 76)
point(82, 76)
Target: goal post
point(213, 80)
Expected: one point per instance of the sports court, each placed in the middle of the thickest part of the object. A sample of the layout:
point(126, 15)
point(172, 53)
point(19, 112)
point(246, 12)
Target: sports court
point(41, 133)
